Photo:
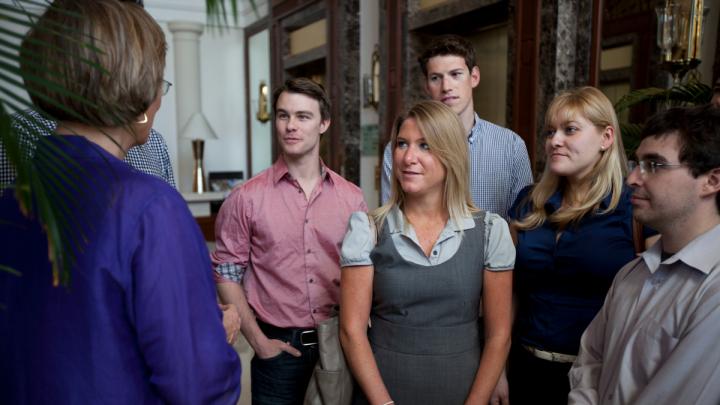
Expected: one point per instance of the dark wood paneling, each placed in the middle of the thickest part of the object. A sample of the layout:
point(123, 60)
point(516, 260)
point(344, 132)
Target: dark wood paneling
point(207, 226)
point(394, 48)
point(596, 41)
point(524, 95)
point(459, 15)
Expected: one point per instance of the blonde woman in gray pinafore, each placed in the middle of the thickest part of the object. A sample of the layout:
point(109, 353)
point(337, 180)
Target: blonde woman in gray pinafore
point(420, 272)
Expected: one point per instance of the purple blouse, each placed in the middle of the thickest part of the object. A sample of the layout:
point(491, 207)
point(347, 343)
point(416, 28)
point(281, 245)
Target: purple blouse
point(139, 322)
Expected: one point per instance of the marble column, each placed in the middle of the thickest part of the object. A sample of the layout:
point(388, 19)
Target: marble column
point(565, 43)
point(186, 47)
point(349, 86)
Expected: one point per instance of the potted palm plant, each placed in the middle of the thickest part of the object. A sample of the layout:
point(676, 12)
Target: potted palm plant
point(692, 92)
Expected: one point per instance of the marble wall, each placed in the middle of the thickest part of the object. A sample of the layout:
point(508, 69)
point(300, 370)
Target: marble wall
point(349, 80)
point(566, 33)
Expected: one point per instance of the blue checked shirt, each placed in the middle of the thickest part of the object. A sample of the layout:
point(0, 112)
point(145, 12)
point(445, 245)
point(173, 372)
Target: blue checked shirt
point(499, 167)
point(151, 158)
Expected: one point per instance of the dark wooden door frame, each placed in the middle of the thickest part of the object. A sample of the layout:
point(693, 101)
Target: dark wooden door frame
point(391, 79)
point(525, 72)
point(522, 89)
point(284, 12)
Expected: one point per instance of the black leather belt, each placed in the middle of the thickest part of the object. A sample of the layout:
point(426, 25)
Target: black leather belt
point(297, 336)
point(309, 337)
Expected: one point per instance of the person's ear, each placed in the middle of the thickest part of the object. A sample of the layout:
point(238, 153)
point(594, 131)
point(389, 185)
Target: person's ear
point(475, 76)
point(324, 125)
point(608, 137)
point(711, 186)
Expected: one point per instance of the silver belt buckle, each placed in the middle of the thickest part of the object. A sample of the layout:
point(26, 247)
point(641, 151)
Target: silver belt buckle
point(309, 334)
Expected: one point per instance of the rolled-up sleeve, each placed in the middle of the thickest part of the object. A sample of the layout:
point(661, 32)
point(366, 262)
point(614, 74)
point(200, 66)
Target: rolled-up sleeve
point(232, 239)
point(499, 248)
point(358, 242)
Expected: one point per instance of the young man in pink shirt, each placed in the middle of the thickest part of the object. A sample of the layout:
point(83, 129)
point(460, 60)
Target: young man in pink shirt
point(278, 245)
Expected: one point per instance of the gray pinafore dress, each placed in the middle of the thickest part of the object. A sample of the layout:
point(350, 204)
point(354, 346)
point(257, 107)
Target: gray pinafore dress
point(425, 330)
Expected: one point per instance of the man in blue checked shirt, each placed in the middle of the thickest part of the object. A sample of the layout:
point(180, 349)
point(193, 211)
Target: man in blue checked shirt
point(151, 158)
point(499, 162)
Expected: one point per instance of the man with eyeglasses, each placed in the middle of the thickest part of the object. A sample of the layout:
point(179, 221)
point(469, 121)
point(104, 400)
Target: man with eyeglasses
point(151, 158)
point(655, 339)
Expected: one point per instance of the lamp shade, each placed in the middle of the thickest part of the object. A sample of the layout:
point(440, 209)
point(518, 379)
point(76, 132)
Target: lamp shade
point(197, 127)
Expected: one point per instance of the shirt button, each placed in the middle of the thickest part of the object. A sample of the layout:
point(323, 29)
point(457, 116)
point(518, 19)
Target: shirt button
point(307, 220)
point(309, 251)
point(312, 280)
point(314, 311)
point(435, 253)
point(299, 190)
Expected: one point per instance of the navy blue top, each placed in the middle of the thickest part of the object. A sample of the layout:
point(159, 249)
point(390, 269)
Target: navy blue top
point(560, 286)
point(139, 322)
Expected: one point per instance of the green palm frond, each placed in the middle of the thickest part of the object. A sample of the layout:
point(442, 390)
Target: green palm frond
point(47, 180)
point(691, 93)
point(631, 137)
point(217, 11)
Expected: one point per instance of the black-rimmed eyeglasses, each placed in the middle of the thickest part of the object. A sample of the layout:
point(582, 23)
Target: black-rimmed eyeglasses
point(165, 87)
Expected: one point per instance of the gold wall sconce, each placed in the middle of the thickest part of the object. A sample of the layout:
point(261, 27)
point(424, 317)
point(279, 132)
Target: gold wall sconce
point(371, 82)
point(263, 114)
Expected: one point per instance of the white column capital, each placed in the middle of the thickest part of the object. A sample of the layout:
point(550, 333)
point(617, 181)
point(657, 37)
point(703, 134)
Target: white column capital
point(181, 27)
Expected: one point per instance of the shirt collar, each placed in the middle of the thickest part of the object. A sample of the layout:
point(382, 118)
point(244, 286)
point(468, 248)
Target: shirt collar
point(280, 171)
point(396, 223)
point(701, 253)
point(555, 201)
point(476, 129)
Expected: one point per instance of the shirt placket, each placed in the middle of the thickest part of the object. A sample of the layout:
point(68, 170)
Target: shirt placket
point(310, 256)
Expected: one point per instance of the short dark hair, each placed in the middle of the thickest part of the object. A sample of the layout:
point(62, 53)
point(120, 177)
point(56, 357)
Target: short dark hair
point(698, 130)
point(303, 85)
point(448, 45)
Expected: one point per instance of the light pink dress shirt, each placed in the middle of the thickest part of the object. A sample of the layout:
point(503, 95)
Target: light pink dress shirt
point(284, 247)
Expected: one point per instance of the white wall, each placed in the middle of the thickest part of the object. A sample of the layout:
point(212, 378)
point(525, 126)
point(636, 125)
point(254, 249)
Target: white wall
point(222, 87)
point(259, 66)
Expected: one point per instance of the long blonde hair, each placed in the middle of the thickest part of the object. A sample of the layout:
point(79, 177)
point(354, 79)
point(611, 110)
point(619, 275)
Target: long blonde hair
point(606, 177)
point(445, 135)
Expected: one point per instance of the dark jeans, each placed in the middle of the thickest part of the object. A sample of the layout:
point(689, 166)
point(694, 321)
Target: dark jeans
point(536, 381)
point(282, 379)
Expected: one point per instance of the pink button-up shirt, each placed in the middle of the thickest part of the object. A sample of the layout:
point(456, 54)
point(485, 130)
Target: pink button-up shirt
point(286, 247)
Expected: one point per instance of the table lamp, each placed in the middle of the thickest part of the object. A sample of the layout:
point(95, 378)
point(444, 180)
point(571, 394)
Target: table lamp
point(198, 129)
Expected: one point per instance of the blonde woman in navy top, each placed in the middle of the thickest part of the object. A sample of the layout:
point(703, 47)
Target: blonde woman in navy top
point(574, 231)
